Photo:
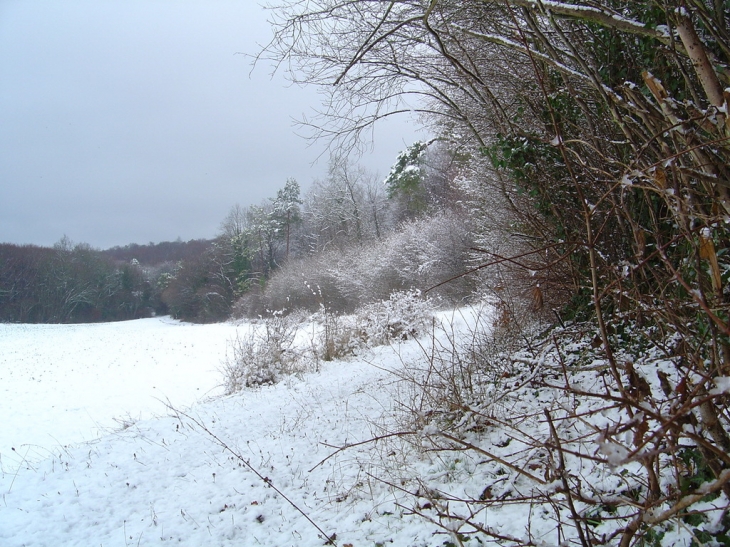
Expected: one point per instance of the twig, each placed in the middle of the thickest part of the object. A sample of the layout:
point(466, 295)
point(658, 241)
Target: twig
point(564, 477)
point(492, 456)
point(18, 469)
point(689, 499)
point(374, 439)
point(265, 480)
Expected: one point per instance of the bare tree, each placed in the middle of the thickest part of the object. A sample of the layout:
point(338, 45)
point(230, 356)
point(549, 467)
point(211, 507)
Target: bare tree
point(347, 208)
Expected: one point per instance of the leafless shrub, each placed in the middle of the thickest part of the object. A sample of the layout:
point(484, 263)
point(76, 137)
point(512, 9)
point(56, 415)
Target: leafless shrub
point(541, 434)
point(267, 351)
point(337, 337)
point(547, 432)
point(264, 354)
point(405, 315)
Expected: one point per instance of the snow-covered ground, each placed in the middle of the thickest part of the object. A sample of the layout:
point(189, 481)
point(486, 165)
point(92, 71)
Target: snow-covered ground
point(355, 454)
point(63, 384)
point(186, 479)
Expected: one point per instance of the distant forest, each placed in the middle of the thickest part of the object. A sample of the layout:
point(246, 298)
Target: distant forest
point(352, 238)
point(71, 283)
point(154, 254)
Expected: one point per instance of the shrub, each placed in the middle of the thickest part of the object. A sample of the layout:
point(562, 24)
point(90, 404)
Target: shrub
point(406, 314)
point(265, 354)
point(546, 425)
point(421, 255)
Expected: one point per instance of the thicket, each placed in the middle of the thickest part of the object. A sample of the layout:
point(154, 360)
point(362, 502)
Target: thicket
point(353, 239)
point(419, 255)
point(281, 345)
point(600, 131)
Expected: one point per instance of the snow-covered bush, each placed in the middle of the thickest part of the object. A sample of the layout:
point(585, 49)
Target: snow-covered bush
point(267, 351)
point(265, 354)
point(422, 254)
point(338, 336)
point(405, 315)
point(298, 284)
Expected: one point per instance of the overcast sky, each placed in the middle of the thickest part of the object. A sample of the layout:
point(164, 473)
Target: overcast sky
point(130, 121)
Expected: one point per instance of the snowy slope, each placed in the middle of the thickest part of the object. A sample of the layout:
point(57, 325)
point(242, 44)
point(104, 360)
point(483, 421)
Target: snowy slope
point(355, 454)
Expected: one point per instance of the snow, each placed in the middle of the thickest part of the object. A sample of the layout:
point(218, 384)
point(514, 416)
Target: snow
point(64, 384)
point(186, 476)
point(352, 452)
point(722, 385)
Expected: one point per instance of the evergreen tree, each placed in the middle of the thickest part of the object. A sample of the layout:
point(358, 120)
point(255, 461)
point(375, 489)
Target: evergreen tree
point(286, 211)
point(404, 183)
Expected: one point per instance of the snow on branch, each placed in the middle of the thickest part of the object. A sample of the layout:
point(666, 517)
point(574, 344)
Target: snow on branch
point(606, 18)
point(511, 44)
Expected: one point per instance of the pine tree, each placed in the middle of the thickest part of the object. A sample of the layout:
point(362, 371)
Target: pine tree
point(286, 212)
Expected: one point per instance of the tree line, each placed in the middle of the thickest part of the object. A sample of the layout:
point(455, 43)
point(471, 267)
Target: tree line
point(337, 244)
point(276, 255)
point(73, 283)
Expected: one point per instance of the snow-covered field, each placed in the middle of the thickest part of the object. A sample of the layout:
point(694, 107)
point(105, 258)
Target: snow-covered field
point(186, 479)
point(63, 384)
point(356, 454)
